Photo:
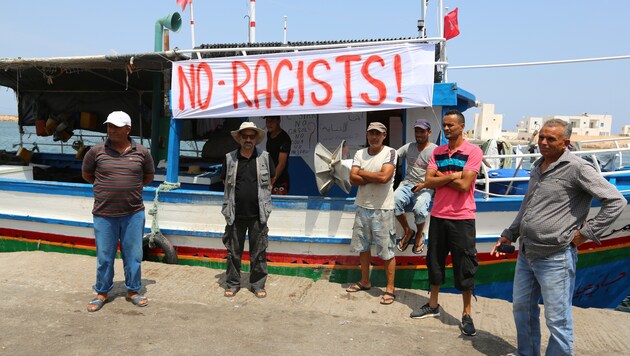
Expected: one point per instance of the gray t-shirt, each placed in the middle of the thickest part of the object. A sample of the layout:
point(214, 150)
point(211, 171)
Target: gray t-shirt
point(417, 162)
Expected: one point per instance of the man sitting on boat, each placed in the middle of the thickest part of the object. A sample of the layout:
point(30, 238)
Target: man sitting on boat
point(246, 175)
point(373, 171)
point(411, 192)
point(551, 224)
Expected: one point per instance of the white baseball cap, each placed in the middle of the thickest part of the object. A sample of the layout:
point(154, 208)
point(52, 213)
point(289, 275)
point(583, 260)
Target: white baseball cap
point(118, 118)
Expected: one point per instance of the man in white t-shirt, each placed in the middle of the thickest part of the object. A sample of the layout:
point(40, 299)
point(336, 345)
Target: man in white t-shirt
point(373, 171)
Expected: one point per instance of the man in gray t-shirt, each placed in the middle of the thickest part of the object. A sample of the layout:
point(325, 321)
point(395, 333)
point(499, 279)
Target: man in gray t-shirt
point(411, 191)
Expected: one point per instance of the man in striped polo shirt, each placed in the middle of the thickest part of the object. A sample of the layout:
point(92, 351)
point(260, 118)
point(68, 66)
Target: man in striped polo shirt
point(118, 168)
point(452, 172)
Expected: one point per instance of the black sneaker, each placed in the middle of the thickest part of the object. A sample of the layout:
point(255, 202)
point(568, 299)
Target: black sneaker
point(467, 327)
point(426, 311)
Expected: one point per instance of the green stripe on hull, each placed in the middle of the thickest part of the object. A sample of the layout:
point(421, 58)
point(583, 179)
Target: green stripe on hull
point(405, 278)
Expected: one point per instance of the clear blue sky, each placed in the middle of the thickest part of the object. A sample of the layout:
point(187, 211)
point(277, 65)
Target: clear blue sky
point(491, 32)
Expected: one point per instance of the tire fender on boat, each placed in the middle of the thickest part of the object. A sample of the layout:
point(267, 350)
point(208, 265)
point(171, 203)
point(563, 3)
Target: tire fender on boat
point(157, 239)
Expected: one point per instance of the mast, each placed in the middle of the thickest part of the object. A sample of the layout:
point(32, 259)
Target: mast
point(285, 30)
point(422, 31)
point(252, 21)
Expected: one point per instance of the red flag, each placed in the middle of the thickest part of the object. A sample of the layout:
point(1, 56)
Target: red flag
point(184, 3)
point(451, 28)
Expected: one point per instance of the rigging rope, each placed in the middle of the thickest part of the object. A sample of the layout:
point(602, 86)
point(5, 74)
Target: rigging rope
point(155, 227)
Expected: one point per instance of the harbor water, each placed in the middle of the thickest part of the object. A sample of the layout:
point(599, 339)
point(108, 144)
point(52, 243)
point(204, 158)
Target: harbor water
point(9, 136)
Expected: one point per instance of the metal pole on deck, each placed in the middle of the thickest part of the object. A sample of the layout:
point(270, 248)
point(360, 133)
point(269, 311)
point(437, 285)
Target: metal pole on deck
point(422, 31)
point(443, 45)
point(285, 30)
point(252, 21)
point(171, 22)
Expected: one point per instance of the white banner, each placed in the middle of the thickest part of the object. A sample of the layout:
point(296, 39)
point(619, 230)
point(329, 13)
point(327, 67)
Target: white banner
point(310, 82)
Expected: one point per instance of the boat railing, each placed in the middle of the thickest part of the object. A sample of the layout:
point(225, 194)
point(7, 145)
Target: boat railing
point(487, 180)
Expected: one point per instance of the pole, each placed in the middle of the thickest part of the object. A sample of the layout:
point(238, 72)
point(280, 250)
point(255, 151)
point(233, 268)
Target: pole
point(422, 31)
point(252, 21)
point(443, 44)
point(192, 29)
point(285, 30)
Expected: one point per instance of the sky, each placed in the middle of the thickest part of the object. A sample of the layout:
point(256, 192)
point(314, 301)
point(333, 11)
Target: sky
point(492, 32)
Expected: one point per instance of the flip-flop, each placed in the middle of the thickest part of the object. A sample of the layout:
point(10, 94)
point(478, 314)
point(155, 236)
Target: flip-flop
point(388, 301)
point(98, 302)
point(230, 292)
point(415, 250)
point(406, 244)
point(138, 300)
point(357, 287)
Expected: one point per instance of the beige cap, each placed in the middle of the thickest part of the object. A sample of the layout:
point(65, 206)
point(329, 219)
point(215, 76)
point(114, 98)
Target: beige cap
point(377, 126)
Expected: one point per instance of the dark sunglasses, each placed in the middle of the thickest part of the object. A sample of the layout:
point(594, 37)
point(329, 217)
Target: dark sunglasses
point(250, 136)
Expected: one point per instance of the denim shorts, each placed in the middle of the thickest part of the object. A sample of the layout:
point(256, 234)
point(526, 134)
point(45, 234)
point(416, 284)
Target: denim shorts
point(374, 226)
point(419, 202)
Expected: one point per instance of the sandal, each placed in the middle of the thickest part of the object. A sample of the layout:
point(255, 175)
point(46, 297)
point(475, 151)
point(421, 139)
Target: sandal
point(138, 300)
point(357, 287)
point(259, 293)
point(388, 301)
point(230, 292)
point(404, 244)
point(95, 304)
point(418, 248)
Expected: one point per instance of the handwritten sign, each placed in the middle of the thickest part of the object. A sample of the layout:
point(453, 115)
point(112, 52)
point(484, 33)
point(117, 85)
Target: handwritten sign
point(308, 82)
point(303, 132)
point(333, 128)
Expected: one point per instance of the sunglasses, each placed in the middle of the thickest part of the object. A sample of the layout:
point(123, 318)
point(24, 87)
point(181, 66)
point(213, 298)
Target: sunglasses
point(250, 136)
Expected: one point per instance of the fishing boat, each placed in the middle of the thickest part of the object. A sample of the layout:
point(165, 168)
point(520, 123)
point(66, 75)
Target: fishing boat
point(309, 233)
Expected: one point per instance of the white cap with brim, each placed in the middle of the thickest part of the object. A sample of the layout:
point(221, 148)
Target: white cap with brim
point(119, 119)
point(247, 125)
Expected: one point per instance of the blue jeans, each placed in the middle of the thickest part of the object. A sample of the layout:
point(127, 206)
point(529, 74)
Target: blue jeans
point(404, 197)
point(553, 279)
point(107, 232)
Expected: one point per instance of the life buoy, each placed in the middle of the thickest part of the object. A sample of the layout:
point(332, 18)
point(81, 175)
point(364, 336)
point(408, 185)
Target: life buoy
point(160, 241)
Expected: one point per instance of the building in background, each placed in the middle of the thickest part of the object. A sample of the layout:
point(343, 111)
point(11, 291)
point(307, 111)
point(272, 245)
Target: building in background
point(527, 127)
point(587, 124)
point(488, 124)
point(625, 130)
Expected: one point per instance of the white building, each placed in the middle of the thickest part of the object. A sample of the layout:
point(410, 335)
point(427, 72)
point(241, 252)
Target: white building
point(625, 130)
point(528, 126)
point(582, 125)
point(587, 124)
point(488, 124)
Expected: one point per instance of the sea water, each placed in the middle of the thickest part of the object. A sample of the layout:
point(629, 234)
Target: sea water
point(10, 136)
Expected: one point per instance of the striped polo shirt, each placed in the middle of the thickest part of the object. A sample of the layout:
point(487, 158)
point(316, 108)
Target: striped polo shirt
point(449, 203)
point(118, 178)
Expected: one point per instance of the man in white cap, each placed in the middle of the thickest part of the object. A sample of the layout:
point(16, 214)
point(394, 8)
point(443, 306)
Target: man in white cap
point(411, 192)
point(373, 171)
point(247, 173)
point(118, 168)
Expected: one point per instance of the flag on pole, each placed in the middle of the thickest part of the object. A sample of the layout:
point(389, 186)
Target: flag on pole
point(451, 27)
point(183, 3)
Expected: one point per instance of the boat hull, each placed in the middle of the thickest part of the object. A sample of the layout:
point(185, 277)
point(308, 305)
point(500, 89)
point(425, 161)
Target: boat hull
point(309, 237)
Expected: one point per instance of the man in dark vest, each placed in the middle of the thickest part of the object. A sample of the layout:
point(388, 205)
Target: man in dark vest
point(247, 174)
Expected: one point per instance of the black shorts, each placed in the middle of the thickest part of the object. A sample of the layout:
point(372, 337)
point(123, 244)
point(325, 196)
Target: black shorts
point(458, 238)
